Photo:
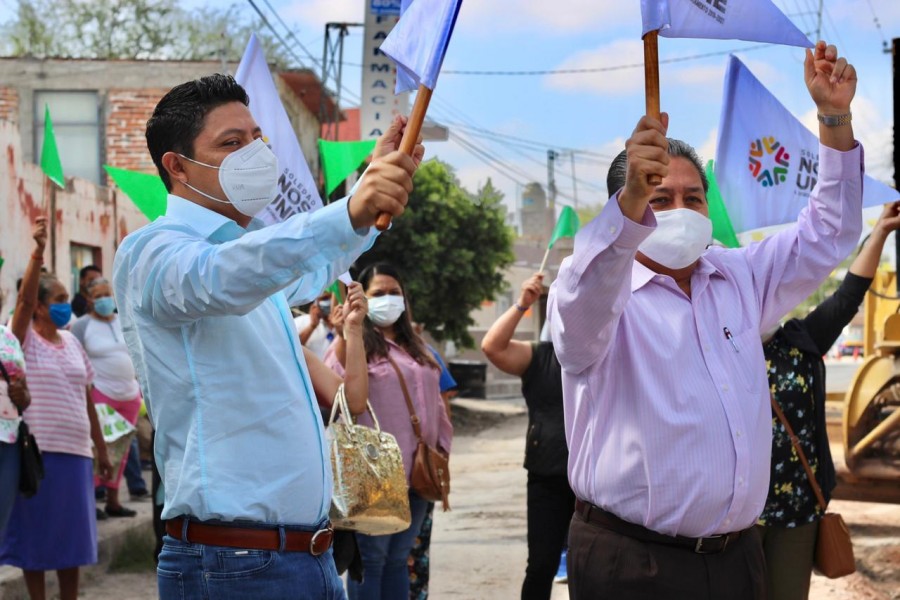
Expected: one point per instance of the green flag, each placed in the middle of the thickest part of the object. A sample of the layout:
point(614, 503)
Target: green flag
point(50, 163)
point(339, 159)
point(335, 288)
point(566, 226)
point(146, 191)
point(718, 214)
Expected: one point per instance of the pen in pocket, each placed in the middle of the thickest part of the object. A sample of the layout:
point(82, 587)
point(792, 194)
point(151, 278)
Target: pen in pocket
point(730, 338)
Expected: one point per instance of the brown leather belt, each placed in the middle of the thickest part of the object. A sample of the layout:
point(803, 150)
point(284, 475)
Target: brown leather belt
point(314, 542)
point(605, 519)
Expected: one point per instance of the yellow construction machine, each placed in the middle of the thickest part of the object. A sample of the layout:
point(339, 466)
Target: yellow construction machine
point(870, 467)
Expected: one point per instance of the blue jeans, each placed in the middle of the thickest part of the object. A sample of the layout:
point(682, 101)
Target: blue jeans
point(9, 480)
point(384, 558)
point(199, 572)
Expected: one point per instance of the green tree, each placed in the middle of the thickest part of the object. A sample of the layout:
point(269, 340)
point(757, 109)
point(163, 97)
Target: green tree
point(451, 248)
point(132, 29)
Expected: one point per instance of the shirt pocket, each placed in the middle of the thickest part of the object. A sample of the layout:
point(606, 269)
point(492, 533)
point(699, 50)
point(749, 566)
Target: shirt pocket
point(747, 364)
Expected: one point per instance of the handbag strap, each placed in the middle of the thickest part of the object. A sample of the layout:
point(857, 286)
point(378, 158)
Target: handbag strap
point(414, 419)
point(795, 442)
point(339, 406)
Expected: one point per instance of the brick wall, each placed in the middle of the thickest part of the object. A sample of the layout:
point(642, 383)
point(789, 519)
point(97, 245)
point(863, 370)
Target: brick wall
point(9, 105)
point(86, 214)
point(128, 111)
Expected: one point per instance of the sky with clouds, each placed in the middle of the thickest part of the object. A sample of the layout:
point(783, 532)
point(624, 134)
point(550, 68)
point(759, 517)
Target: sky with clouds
point(595, 112)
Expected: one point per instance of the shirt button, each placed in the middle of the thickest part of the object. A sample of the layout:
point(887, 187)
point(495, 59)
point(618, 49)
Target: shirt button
point(724, 388)
point(705, 348)
point(740, 481)
point(728, 521)
point(738, 434)
point(343, 246)
point(612, 229)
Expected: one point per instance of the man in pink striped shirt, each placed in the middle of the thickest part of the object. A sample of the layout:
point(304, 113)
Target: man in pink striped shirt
point(666, 400)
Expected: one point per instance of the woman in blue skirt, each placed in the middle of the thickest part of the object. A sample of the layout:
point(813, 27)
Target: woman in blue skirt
point(56, 529)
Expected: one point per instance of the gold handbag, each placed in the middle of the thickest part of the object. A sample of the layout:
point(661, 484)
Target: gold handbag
point(370, 492)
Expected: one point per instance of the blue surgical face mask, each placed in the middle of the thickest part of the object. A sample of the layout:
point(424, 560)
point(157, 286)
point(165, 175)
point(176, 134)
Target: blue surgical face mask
point(60, 313)
point(105, 306)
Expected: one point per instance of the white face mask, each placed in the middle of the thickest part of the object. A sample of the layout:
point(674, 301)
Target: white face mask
point(249, 177)
point(385, 310)
point(680, 238)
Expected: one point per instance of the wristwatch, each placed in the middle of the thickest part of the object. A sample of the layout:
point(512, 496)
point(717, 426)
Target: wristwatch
point(835, 120)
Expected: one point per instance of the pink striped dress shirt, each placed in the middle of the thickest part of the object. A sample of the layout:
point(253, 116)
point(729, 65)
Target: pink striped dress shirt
point(668, 420)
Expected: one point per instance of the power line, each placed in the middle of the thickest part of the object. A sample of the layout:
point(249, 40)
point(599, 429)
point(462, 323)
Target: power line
point(884, 42)
point(317, 63)
point(637, 65)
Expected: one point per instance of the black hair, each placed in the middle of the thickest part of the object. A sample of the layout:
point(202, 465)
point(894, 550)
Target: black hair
point(615, 177)
point(178, 118)
point(89, 269)
point(406, 336)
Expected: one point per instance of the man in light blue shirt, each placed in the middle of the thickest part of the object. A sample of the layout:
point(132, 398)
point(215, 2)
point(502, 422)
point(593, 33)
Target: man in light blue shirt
point(204, 295)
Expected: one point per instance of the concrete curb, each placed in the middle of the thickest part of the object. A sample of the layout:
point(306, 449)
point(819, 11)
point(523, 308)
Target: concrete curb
point(111, 534)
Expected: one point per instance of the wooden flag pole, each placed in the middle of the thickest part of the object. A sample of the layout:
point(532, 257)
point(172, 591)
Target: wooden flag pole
point(651, 83)
point(544, 262)
point(49, 193)
point(410, 137)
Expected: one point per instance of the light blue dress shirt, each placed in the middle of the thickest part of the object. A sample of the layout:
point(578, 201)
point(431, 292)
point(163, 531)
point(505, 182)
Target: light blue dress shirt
point(204, 306)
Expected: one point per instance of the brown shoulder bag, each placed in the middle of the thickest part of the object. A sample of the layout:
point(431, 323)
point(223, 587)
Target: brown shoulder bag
point(430, 476)
point(834, 548)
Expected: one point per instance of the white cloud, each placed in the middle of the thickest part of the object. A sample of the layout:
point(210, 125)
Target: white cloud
point(873, 130)
point(315, 13)
point(860, 15)
point(618, 83)
point(559, 16)
point(707, 150)
point(627, 81)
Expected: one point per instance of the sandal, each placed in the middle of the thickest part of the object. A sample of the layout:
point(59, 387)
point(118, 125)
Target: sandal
point(120, 511)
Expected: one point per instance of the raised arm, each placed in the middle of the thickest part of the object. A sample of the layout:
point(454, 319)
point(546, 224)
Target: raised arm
point(866, 262)
point(27, 299)
point(825, 323)
point(180, 278)
point(593, 287)
point(509, 355)
point(790, 265)
point(312, 321)
point(356, 369)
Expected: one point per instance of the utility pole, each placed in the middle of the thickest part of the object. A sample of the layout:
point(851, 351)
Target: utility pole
point(819, 21)
point(552, 155)
point(574, 180)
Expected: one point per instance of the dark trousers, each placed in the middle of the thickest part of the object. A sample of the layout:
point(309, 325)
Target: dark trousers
point(550, 506)
point(133, 472)
point(605, 564)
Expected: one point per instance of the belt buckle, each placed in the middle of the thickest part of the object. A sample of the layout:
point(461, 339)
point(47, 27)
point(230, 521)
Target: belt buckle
point(698, 547)
point(312, 542)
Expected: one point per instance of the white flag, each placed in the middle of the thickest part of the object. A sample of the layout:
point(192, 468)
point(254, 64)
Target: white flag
point(297, 190)
point(749, 20)
point(767, 162)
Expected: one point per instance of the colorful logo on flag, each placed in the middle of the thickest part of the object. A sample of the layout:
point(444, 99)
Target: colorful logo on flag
point(769, 161)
